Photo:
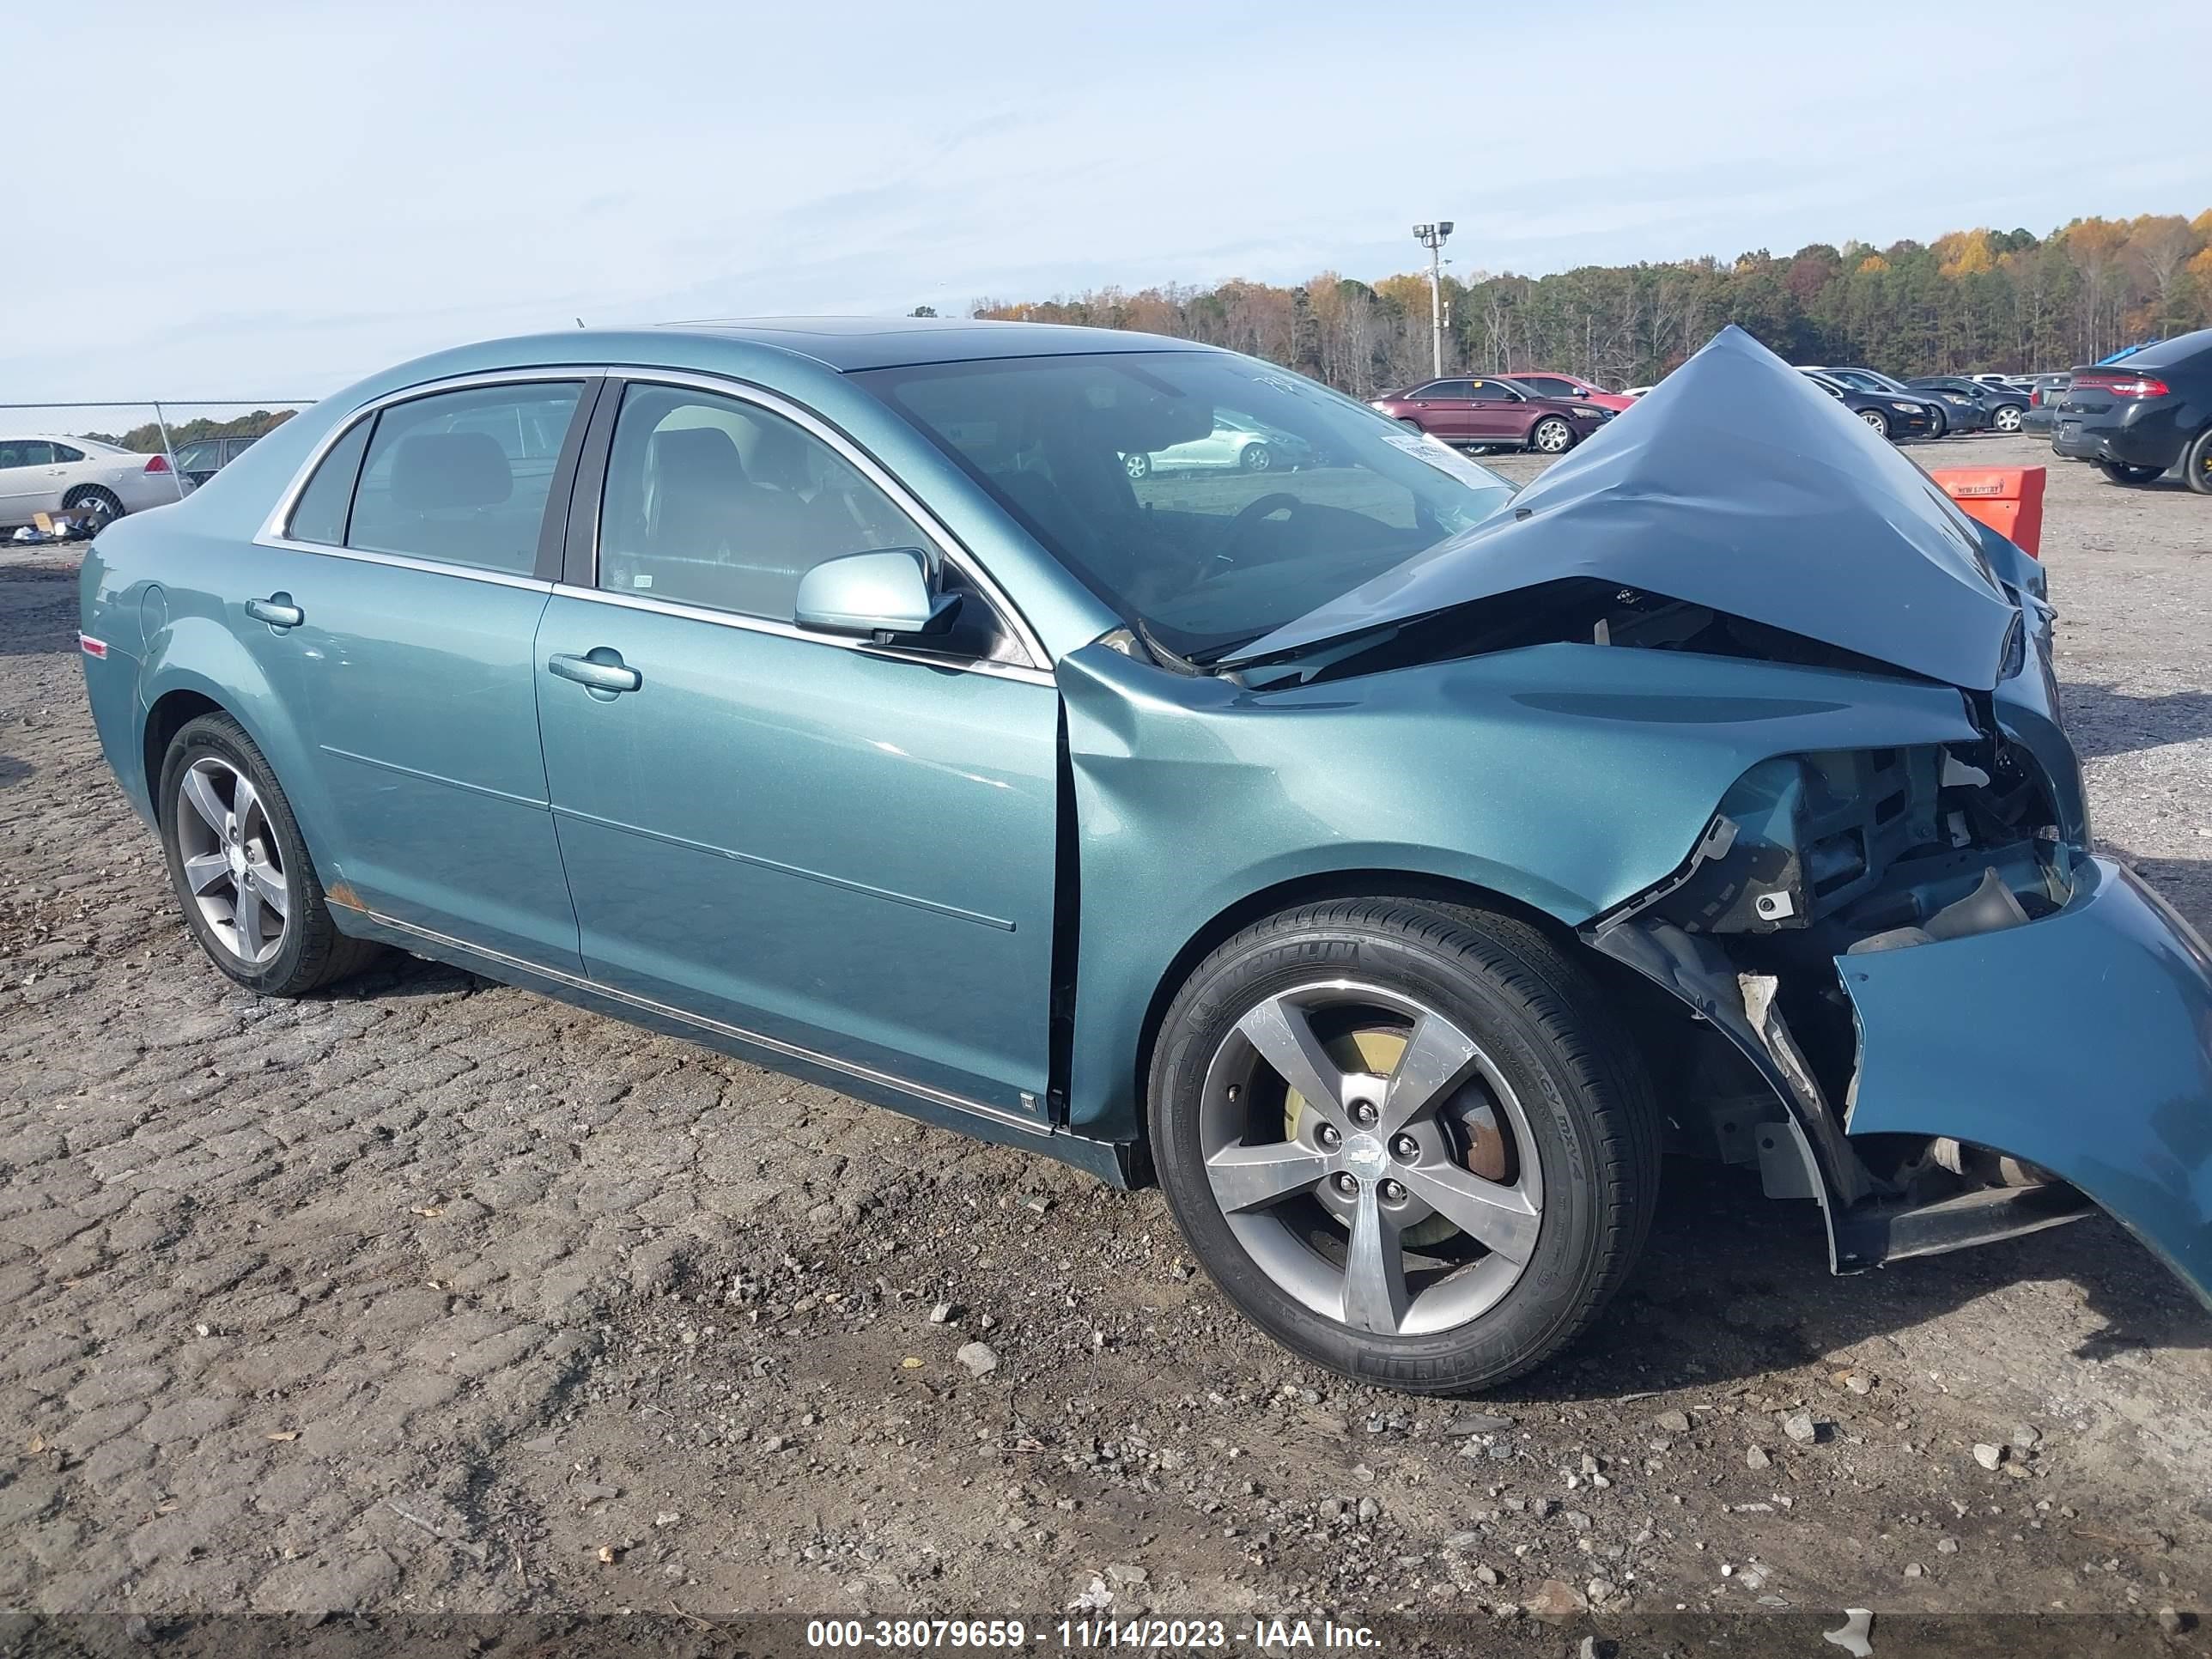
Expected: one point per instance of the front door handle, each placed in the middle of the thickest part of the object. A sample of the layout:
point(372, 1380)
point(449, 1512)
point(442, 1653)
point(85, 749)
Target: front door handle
point(277, 610)
point(601, 672)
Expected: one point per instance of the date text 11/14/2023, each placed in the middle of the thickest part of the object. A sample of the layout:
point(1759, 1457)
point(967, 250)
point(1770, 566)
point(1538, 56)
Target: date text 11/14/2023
point(1081, 1635)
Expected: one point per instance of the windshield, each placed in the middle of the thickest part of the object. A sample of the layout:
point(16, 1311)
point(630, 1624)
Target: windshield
point(1207, 498)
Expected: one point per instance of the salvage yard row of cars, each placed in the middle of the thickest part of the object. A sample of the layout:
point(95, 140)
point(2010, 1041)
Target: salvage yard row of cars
point(1391, 861)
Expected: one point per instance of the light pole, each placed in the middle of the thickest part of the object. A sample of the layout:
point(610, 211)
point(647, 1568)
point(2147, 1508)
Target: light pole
point(1432, 237)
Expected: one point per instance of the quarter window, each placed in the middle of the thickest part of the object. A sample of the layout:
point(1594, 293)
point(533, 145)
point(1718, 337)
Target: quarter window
point(63, 454)
point(715, 501)
point(462, 477)
point(321, 513)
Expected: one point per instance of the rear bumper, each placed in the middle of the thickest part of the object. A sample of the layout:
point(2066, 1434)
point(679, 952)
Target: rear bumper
point(2081, 1042)
point(2136, 435)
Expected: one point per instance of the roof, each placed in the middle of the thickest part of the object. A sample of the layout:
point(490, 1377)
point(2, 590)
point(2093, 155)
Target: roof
point(845, 344)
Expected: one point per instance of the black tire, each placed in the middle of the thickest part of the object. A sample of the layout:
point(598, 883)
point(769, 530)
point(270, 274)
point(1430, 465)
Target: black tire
point(2120, 472)
point(1552, 436)
point(109, 506)
point(1137, 464)
point(1943, 423)
point(312, 953)
point(1541, 1017)
point(2197, 465)
point(1876, 419)
point(1256, 458)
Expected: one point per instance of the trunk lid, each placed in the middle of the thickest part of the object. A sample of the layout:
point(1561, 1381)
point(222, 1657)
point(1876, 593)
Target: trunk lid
point(1738, 485)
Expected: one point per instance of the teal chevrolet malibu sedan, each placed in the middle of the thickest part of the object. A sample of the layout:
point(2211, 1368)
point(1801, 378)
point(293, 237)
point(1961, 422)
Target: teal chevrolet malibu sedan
point(1392, 864)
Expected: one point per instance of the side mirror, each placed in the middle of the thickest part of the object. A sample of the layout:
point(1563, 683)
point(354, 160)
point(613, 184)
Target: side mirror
point(1582, 392)
point(884, 596)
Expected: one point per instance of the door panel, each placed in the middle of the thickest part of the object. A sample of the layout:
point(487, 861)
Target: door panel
point(422, 690)
point(846, 852)
point(1498, 417)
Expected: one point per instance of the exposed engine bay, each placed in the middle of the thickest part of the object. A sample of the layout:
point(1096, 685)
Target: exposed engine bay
point(1815, 858)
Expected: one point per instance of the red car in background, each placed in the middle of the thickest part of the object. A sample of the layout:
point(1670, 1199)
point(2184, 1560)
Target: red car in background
point(1554, 383)
point(1488, 412)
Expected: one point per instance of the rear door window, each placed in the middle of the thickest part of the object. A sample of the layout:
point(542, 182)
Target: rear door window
point(462, 477)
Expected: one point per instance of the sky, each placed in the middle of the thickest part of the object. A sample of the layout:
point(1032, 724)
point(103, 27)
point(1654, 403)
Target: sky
point(268, 201)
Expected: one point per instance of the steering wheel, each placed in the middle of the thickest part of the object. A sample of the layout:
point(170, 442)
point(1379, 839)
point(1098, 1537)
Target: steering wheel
point(1241, 527)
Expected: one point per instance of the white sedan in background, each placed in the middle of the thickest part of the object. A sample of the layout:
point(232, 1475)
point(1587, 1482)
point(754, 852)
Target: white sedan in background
point(42, 473)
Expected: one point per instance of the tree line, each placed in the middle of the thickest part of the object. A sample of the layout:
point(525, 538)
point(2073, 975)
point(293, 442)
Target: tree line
point(1971, 300)
point(147, 439)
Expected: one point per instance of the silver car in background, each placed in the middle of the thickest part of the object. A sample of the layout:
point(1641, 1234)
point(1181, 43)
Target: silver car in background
point(1233, 445)
point(41, 472)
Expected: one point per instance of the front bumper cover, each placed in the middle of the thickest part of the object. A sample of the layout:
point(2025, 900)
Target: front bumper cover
point(2081, 1042)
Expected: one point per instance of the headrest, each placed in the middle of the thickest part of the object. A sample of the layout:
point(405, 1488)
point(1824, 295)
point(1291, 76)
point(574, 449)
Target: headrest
point(433, 469)
point(696, 454)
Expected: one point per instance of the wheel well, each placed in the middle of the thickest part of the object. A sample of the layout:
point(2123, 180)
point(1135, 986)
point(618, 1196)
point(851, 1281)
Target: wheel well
point(82, 491)
point(1319, 890)
point(168, 717)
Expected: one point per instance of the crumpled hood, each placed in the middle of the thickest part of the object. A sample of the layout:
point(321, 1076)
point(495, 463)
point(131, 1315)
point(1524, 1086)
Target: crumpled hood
point(1735, 484)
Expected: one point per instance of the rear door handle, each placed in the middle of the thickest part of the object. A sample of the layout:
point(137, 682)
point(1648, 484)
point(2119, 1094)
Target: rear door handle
point(277, 610)
point(602, 671)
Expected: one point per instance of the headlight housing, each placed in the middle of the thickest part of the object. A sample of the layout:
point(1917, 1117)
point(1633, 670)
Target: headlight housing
point(1910, 409)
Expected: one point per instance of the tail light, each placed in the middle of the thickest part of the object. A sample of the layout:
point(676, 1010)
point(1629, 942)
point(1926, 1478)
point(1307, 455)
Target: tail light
point(2035, 399)
point(2122, 385)
point(157, 464)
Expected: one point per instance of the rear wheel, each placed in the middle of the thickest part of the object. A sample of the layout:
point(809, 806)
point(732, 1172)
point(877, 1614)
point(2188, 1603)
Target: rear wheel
point(2121, 472)
point(2007, 417)
point(1551, 437)
point(104, 503)
point(1402, 1140)
point(1138, 465)
point(241, 870)
point(2197, 465)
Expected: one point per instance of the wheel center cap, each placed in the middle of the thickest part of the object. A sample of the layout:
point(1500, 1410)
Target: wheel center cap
point(237, 858)
point(1364, 1156)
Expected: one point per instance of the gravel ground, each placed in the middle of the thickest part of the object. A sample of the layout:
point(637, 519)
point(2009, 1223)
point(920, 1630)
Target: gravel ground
point(435, 1295)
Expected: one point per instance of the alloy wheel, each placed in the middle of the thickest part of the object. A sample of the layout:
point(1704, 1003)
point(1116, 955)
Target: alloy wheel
point(232, 861)
point(2008, 418)
point(1371, 1159)
point(1553, 436)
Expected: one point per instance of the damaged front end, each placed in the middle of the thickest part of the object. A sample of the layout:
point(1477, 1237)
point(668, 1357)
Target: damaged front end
point(1968, 1025)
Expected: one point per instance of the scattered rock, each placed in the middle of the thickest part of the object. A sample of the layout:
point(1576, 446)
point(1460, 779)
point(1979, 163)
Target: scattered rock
point(2172, 1622)
point(2027, 1438)
point(1914, 1570)
point(1555, 1602)
point(941, 1313)
point(977, 1358)
point(1478, 1422)
point(1121, 1573)
point(1600, 1591)
point(1947, 1546)
point(1755, 1458)
point(1989, 1457)
point(1368, 1509)
point(1675, 1422)
point(1801, 1428)
point(1856, 1382)
point(1485, 1575)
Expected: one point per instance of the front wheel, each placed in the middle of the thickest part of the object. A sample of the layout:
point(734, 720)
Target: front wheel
point(1256, 458)
point(2121, 472)
point(1943, 424)
point(240, 869)
point(1552, 436)
point(2197, 465)
point(1403, 1140)
point(1876, 419)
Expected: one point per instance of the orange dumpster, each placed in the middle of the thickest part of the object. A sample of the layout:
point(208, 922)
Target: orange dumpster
point(2008, 499)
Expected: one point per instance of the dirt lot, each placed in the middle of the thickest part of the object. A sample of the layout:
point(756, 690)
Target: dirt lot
point(435, 1296)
